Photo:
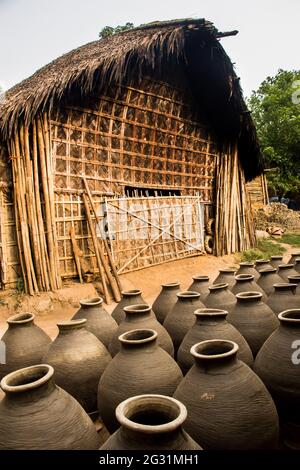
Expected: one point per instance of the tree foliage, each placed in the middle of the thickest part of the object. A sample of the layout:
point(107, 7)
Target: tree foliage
point(109, 30)
point(275, 108)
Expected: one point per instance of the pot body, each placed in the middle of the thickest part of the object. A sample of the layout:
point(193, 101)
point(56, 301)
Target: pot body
point(281, 300)
point(267, 279)
point(247, 268)
point(165, 301)
point(131, 297)
point(284, 271)
point(262, 264)
point(220, 298)
point(225, 276)
point(293, 257)
point(201, 285)
point(248, 286)
point(275, 261)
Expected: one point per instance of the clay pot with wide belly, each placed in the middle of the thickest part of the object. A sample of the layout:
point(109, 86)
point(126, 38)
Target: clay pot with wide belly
point(286, 270)
point(36, 414)
point(210, 324)
point(98, 320)
point(229, 407)
point(151, 422)
point(79, 359)
point(226, 275)
point(140, 317)
point(283, 297)
point(129, 297)
point(166, 300)
point(253, 318)
point(201, 285)
point(246, 283)
point(24, 342)
point(246, 267)
point(268, 277)
point(181, 317)
point(220, 297)
point(262, 264)
point(276, 260)
point(293, 257)
point(297, 265)
point(295, 279)
point(140, 367)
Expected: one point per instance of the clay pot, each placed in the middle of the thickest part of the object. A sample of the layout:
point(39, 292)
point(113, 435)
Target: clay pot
point(129, 297)
point(201, 285)
point(276, 260)
point(140, 317)
point(286, 270)
point(150, 422)
point(36, 414)
point(246, 283)
point(229, 407)
point(295, 280)
point(268, 277)
point(226, 275)
point(25, 343)
point(181, 318)
point(262, 264)
point(293, 257)
point(210, 324)
point(79, 360)
point(98, 320)
point(277, 364)
point(140, 367)
point(220, 297)
point(283, 298)
point(165, 300)
point(247, 268)
point(297, 265)
point(253, 318)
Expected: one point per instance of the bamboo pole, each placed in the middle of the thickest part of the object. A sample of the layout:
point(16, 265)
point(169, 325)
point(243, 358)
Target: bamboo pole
point(75, 252)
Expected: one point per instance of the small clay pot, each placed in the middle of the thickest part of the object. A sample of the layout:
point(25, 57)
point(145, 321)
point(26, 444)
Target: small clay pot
point(36, 414)
point(297, 265)
point(140, 317)
point(253, 319)
point(25, 343)
point(129, 297)
point(140, 367)
point(151, 422)
point(220, 297)
point(229, 407)
point(283, 297)
point(79, 359)
point(98, 320)
point(210, 324)
point(246, 283)
point(262, 264)
point(201, 285)
point(166, 300)
point(246, 267)
point(295, 280)
point(276, 260)
point(226, 275)
point(268, 277)
point(293, 257)
point(286, 270)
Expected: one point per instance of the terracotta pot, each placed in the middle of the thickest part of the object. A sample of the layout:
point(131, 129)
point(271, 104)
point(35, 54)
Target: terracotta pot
point(283, 298)
point(79, 360)
point(98, 320)
point(262, 264)
point(295, 280)
point(140, 317)
point(293, 257)
point(129, 297)
point(297, 265)
point(277, 364)
point(210, 324)
point(140, 367)
point(253, 318)
point(246, 283)
point(36, 414)
point(201, 285)
point(165, 300)
point(220, 297)
point(181, 318)
point(226, 275)
point(247, 268)
point(286, 270)
point(276, 260)
point(25, 343)
point(268, 277)
point(150, 422)
point(228, 406)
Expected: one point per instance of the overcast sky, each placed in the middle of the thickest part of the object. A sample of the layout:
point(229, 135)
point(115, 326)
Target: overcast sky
point(34, 32)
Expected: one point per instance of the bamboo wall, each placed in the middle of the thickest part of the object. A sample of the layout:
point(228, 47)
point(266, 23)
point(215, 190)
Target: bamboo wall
point(258, 191)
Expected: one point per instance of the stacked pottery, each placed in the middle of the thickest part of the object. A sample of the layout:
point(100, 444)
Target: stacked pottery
point(246, 283)
point(293, 257)
point(268, 277)
point(200, 284)
point(129, 297)
point(165, 300)
point(210, 324)
point(181, 317)
point(296, 280)
point(140, 367)
point(36, 414)
point(79, 360)
point(286, 270)
point(277, 364)
point(246, 267)
point(297, 265)
point(220, 297)
point(262, 264)
point(98, 320)
point(283, 297)
point(24, 342)
point(226, 276)
point(151, 422)
point(276, 260)
point(253, 319)
point(140, 317)
point(228, 406)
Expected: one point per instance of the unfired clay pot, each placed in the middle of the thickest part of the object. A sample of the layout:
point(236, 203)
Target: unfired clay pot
point(140, 367)
point(166, 300)
point(79, 359)
point(286, 270)
point(293, 257)
point(36, 414)
point(129, 297)
point(201, 285)
point(262, 264)
point(210, 324)
point(246, 267)
point(229, 407)
point(295, 279)
point(24, 342)
point(253, 318)
point(220, 297)
point(226, 275)
point(141, 317)
point(246, 283)
point(297, 265)
point(283, 297)
point(151, 422)
point(98, 320)
point(268, 277)
point(276, 260)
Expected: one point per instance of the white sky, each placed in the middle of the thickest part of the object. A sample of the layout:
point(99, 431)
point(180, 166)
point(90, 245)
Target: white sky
point(34, 32)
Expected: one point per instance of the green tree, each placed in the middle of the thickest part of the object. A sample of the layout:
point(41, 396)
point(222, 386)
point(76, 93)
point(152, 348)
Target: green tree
point(275, 108)
point(109, 30)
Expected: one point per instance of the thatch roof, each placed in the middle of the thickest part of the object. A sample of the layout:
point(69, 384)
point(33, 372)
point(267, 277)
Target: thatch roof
point(192, 42)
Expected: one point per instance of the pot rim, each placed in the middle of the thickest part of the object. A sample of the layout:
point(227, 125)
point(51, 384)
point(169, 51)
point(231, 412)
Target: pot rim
point(282, 316)
point(296, 254)
point(200, 278)
point(210, 312)
point(277, 257)
point(131, 292)
point(25, 372)
point(249, 295)
point(71, 324)
point(188, 294)
point(261, 261)
point(152, 336)
point(244, 277)
point(20, 318)
point(137, 308)
point(285, 266)
point(221, 285)
point(139, 401)
point(227, 270)
point(214, 342)
point(171, 284)
point(91, 302)
point(294, 276)
point(267, 270)
point(246, 263)
point(287, 285)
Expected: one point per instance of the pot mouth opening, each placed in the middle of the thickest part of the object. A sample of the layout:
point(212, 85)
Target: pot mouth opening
point(227, 271)
point(247, 263)
point(244, 277)
point(71, 324)
point(294, 277)
point(151, 413)
point(188, 294)
point(285, 286)
point(138, 336)
point(249, 295)
point(131, 292)
point(137, 308)
point(267, 270)
point(290, 316)
point(215, 287)
point(91, 302)
point(200, 278)
point(214, 349)
point(210, 312)
point(171, 284)
point(285, 266)
point(262, 261)
point(21, 318)
point(27, 378)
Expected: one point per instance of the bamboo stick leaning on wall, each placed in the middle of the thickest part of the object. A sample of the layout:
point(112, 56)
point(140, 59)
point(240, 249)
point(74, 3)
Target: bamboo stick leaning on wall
point(76, 253)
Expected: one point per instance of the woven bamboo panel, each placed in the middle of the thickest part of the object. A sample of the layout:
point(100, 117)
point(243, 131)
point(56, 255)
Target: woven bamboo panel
point(10, 267)
point(258, 191)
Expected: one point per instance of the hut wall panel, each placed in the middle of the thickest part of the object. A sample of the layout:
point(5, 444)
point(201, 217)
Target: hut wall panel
point(258, 191)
